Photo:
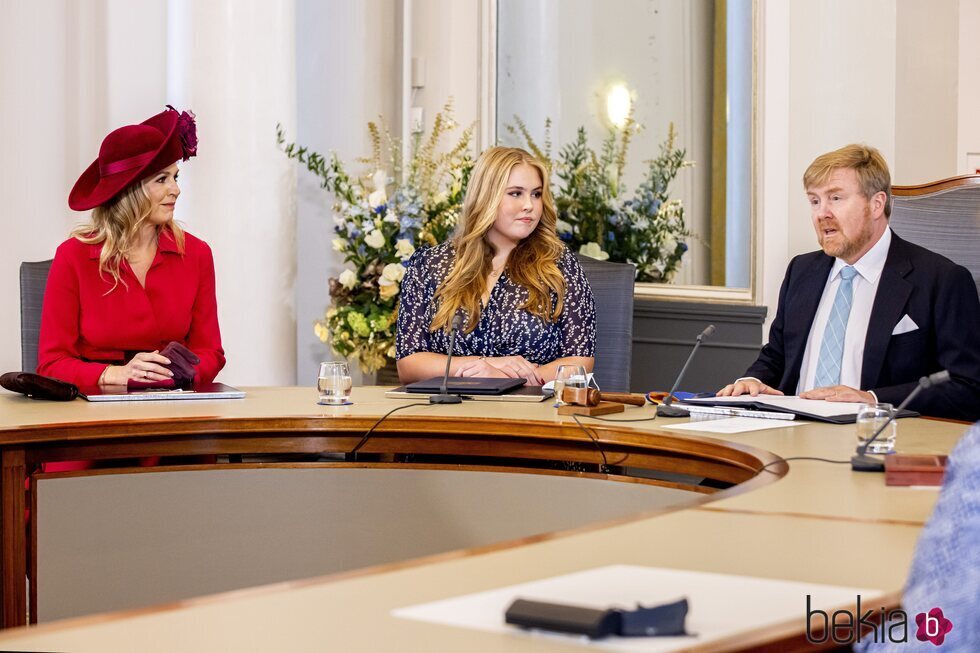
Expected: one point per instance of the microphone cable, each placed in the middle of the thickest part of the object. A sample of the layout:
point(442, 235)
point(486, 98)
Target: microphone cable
point(367, 436)
point(783, 460)
point(604, 468)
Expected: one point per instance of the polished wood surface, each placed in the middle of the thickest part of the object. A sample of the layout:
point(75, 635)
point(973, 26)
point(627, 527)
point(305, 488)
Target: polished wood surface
point(936, 186)
point(803, 520)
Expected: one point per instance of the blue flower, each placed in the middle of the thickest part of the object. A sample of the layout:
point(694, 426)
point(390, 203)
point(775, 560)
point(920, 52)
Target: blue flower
point(610, 236)
point(683, 246)
point(566, 236)
point(381, 208)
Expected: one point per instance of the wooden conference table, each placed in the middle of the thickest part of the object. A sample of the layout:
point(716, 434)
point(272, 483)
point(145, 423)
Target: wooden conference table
point(804, 521)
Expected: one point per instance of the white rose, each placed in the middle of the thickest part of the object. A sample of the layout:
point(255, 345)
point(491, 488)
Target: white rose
point(404, 249)
point(375, 239)
point(393, 272)
point(378, 197)
point(670, 244)
point(348, 279)
point(592, 250)
point(339, 245)
point(563, 227)
point(390, 216)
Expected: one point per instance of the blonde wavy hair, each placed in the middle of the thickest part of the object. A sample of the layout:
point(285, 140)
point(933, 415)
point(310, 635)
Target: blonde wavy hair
point(534, 262)
point(116, 224)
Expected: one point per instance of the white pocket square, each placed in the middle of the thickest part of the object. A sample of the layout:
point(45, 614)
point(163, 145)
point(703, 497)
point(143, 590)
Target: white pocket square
point(904, 326)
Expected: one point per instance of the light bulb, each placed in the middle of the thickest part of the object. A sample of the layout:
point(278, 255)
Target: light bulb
point(618, 103)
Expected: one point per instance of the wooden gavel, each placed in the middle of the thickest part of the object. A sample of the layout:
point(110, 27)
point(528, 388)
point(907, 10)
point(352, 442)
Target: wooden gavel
point(592, 397)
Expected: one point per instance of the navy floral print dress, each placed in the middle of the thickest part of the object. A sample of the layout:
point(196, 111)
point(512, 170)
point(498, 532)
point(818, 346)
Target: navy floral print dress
point(505, 329)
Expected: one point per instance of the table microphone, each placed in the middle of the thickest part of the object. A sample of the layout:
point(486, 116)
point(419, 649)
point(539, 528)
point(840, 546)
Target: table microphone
point(665, 409)
point(444, 397)
point(862, 462)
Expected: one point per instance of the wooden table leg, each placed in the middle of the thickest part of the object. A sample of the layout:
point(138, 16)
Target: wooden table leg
point(13, 559)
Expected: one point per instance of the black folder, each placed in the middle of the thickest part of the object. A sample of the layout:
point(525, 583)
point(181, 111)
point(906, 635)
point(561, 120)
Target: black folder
point(459, 385)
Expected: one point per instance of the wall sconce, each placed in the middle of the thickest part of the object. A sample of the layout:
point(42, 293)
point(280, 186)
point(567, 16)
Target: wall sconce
point(618, 104)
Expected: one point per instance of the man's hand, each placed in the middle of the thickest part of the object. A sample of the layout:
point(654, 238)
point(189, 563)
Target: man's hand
point(752, 387)
point(839, 393)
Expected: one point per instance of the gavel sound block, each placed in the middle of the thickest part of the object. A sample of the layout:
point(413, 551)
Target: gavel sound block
point(589, 401)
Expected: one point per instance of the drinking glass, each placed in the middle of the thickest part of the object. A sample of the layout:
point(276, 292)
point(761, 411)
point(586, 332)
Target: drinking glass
point(568, 376)
point(870, 417)
point(333, 383)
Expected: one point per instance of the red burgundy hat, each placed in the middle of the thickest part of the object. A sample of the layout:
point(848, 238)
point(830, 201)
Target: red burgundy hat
point(132, 152)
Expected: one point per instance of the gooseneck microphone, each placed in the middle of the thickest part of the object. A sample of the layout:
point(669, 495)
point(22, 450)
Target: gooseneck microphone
point(862, 462)
point(444, 397)
point(665, 409)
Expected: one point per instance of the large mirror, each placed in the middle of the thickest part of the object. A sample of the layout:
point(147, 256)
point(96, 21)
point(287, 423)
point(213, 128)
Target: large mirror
point(690, 63)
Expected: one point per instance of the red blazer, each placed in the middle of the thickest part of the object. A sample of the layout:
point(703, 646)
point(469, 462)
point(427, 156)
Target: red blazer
point(83, 329)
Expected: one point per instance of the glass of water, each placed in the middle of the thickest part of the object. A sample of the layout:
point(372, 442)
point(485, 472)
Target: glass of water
point(568, 376)
point(333, 383)
point(870, 417)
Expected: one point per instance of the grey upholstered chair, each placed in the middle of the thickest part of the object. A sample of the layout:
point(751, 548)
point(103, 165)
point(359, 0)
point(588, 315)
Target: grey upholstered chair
point(612, 286)
point(942, 216)
point(33, 279)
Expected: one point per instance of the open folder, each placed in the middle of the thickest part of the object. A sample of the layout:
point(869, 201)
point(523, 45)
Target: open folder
point(835, 412)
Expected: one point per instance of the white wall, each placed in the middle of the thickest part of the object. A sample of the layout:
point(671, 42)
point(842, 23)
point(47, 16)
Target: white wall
point(926, 103)
point(63, 90)
point(968, 87)
point(347, 74)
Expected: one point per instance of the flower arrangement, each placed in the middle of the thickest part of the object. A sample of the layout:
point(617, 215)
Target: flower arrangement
point(596, 215)
point(379, 220)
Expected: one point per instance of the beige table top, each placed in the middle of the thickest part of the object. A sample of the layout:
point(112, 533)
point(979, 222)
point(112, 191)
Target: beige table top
point(807, 526)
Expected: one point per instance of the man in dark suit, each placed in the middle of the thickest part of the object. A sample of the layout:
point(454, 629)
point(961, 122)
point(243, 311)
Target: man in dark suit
point(866, 317)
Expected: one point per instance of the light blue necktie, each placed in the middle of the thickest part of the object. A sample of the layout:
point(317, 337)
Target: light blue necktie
point(832, 347)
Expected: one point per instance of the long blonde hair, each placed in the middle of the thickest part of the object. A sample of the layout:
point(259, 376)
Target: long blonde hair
point(116, 223)
point(533, 264)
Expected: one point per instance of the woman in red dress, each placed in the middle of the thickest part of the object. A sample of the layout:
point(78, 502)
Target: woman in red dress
point(131, 281)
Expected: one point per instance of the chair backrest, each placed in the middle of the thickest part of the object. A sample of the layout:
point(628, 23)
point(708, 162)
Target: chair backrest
point(612, 286)
point(944, 217)
point(33, 279)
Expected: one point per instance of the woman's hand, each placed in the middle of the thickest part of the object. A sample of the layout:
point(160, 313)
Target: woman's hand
point(481, 368)
point(144, 367)
point(514, 367)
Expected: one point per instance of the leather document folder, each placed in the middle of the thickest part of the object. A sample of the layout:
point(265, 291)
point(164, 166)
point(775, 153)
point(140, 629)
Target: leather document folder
point(459, 385)
point(197, 391)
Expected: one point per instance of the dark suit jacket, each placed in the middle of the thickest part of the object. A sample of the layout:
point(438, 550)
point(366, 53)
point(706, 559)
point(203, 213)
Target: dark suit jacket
point(936, 293)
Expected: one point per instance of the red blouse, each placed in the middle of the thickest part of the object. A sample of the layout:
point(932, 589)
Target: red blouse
point(83, 328)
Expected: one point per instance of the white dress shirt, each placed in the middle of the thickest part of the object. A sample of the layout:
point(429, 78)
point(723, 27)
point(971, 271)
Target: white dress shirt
point(865, 286)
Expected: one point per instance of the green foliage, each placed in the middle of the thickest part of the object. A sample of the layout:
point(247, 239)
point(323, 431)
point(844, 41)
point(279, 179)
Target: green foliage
point(596, 215)
point(379, 220)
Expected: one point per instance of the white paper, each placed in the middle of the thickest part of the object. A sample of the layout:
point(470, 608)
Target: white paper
point(720, 605)
point(819, 407)
point(733, 424)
